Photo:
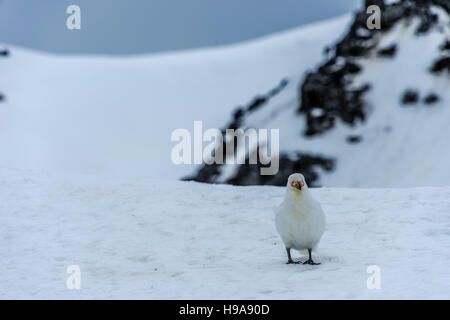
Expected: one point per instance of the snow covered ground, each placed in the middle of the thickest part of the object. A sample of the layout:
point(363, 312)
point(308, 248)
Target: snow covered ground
point(163, 239)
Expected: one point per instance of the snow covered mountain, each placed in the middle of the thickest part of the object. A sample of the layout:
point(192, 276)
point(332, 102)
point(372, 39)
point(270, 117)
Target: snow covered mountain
point(374, 113)
point(114, 115)
point(354, 107)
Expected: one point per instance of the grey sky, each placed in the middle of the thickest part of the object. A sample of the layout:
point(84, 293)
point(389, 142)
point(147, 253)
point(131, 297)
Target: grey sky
point(140, 26)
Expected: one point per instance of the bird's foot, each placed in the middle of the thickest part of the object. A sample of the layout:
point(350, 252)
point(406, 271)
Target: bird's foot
point(311, 262)
point(293, 262)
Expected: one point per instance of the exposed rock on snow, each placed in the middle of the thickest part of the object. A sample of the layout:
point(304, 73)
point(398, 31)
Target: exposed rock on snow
point(3, 53)
point(331, 87)
point(441, 65)
point(388, 51)
point(248, 174)
point(355, 90)
point(240, 113)
point(431, 98)
point(354, 139)
point(410, 96)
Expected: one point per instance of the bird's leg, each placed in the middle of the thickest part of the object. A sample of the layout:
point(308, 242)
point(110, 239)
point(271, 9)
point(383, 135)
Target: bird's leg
point(290, 261)
point(310, 260)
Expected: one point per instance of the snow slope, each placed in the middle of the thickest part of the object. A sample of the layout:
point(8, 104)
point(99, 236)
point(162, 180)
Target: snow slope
point(401, 145)
point(158, 239)
point(114, 116)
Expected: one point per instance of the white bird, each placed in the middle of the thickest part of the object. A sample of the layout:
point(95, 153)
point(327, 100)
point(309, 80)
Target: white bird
point(300, 220)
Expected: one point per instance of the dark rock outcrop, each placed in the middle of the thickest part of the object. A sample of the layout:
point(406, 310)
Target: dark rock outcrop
point(250, 174)
point(388, 51)
point(3, 53)
point(354, 139)
point(328, 94)
point(431, 98)
point(441, 64)
point(410, 96)
point(240, 113)
point(445, 46)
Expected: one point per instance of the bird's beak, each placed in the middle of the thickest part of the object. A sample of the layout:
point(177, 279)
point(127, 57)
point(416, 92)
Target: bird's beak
point(298, 185)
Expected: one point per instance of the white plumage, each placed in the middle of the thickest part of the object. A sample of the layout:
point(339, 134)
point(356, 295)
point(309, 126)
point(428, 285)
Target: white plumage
point(300, 220)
